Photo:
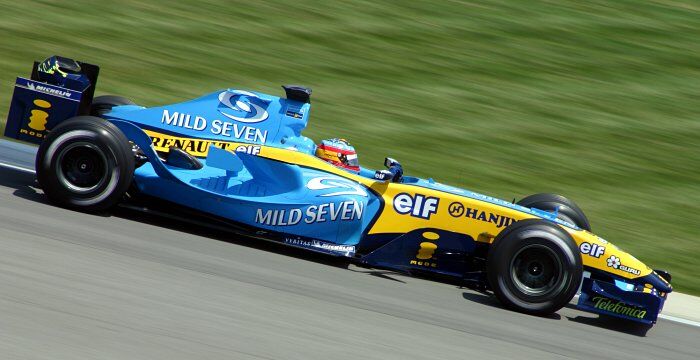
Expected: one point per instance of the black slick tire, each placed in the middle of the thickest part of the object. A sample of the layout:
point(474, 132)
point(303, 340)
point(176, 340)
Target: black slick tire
point(85, 164)
point(534, 267)
point(566, 209)
point(104, 104)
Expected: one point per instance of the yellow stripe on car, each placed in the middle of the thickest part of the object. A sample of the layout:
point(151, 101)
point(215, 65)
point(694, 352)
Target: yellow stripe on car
point(476, 218)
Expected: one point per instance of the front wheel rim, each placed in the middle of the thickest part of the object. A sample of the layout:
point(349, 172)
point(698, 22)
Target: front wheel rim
point(536, 270)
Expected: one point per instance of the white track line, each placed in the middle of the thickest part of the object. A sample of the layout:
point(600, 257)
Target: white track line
point(15, 167)
point(679, 320)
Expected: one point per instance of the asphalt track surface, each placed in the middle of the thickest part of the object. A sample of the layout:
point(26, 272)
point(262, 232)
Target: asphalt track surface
point(131, 286)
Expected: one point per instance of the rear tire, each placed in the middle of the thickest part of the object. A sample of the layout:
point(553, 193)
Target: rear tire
point(566, 209)
point(85, 163)
point(534, 267)
point(104, 104)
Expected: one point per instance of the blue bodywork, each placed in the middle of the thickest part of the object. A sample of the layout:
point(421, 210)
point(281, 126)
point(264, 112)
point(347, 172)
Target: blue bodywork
point(279, 201)
point(263, 193)
point(283, 201)
point(259, 193)
point(228, 115)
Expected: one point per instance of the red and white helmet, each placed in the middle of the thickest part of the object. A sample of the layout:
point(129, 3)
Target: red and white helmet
point(339, 153)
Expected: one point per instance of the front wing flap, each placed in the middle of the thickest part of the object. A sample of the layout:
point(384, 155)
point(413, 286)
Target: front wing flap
point(621, 300)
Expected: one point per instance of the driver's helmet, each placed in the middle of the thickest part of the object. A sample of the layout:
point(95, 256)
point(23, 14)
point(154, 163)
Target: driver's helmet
point(339, 153)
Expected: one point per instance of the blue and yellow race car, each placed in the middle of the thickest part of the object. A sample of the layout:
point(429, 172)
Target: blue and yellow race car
point(239, 158)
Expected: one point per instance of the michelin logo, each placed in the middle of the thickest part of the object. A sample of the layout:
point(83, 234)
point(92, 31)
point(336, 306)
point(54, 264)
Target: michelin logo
point(315, 244)
point(48, 90)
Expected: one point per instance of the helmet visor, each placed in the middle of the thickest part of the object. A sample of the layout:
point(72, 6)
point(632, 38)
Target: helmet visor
point(350, 160)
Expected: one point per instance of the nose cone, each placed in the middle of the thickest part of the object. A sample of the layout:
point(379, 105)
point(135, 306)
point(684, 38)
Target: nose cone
point(603, 255)
point(658, 282)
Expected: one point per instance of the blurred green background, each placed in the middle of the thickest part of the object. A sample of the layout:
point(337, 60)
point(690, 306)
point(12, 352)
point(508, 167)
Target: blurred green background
point(596, 100)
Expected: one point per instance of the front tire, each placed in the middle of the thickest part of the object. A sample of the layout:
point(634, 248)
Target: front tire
point(534, 267)
point(566, 209)
point(85, 164)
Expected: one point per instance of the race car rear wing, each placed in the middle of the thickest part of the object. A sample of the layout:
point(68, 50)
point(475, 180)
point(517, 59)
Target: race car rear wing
point(38, 106)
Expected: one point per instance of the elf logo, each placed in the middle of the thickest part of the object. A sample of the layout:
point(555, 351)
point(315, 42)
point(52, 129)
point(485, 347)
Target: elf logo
point(593, 250)
point(417, 206)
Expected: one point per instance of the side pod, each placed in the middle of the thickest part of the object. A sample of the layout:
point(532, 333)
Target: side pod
point(430, 249)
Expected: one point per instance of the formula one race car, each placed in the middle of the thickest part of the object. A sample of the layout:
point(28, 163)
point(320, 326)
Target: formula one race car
point(239, 158)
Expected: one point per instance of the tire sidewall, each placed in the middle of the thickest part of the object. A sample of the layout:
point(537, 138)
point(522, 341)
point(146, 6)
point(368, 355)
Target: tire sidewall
point(101, 136)
point(539, 233)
